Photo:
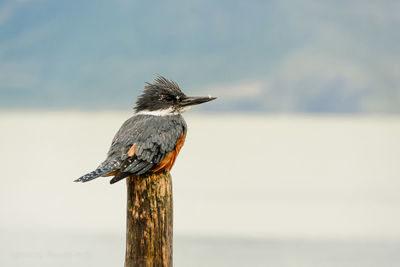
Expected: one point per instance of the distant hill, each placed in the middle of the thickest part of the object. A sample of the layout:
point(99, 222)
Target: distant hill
point(277, 56)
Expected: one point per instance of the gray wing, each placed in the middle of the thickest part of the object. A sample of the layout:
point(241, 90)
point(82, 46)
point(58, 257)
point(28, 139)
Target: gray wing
point(152, 137)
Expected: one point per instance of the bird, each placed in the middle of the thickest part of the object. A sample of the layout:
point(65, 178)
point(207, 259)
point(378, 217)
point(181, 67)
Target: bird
point(149, 141)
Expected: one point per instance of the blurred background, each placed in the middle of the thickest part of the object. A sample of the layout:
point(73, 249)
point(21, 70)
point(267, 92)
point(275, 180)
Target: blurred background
point(295, 164)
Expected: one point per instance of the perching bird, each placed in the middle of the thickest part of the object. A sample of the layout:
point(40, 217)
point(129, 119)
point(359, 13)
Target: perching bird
point(149, 141)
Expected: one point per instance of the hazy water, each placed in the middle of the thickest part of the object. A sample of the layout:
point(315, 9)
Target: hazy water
point(298, 190)
point(65, 249)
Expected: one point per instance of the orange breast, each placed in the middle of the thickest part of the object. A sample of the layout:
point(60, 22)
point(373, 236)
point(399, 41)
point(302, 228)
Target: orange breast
point(168, 162)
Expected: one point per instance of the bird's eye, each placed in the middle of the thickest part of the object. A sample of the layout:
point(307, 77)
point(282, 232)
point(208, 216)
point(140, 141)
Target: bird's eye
point(169, 98)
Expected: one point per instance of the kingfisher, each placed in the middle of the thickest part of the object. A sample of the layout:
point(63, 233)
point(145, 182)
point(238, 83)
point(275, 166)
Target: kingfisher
point(151, 139)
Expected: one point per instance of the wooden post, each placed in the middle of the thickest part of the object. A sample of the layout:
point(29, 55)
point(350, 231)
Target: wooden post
point(149, 220)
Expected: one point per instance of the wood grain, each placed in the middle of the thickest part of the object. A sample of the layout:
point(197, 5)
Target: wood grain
point(149, 220)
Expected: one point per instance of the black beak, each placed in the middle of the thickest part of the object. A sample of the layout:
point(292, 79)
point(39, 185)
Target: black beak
point(191, 101)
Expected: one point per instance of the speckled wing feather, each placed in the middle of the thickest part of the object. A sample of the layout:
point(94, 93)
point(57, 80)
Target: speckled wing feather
point(152, 137)
point(105, 168)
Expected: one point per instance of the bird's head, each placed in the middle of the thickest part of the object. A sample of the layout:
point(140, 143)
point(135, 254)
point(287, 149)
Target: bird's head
point(164, 97)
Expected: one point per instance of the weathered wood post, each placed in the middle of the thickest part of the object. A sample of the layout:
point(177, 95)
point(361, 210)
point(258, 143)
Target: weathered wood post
point(149, 220)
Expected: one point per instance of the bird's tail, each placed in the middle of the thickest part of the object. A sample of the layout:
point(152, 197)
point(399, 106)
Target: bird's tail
point(119, 177)
point(93, 175)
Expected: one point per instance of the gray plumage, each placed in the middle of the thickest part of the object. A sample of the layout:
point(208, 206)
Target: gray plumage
point(154, 136)
point(104, 168)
